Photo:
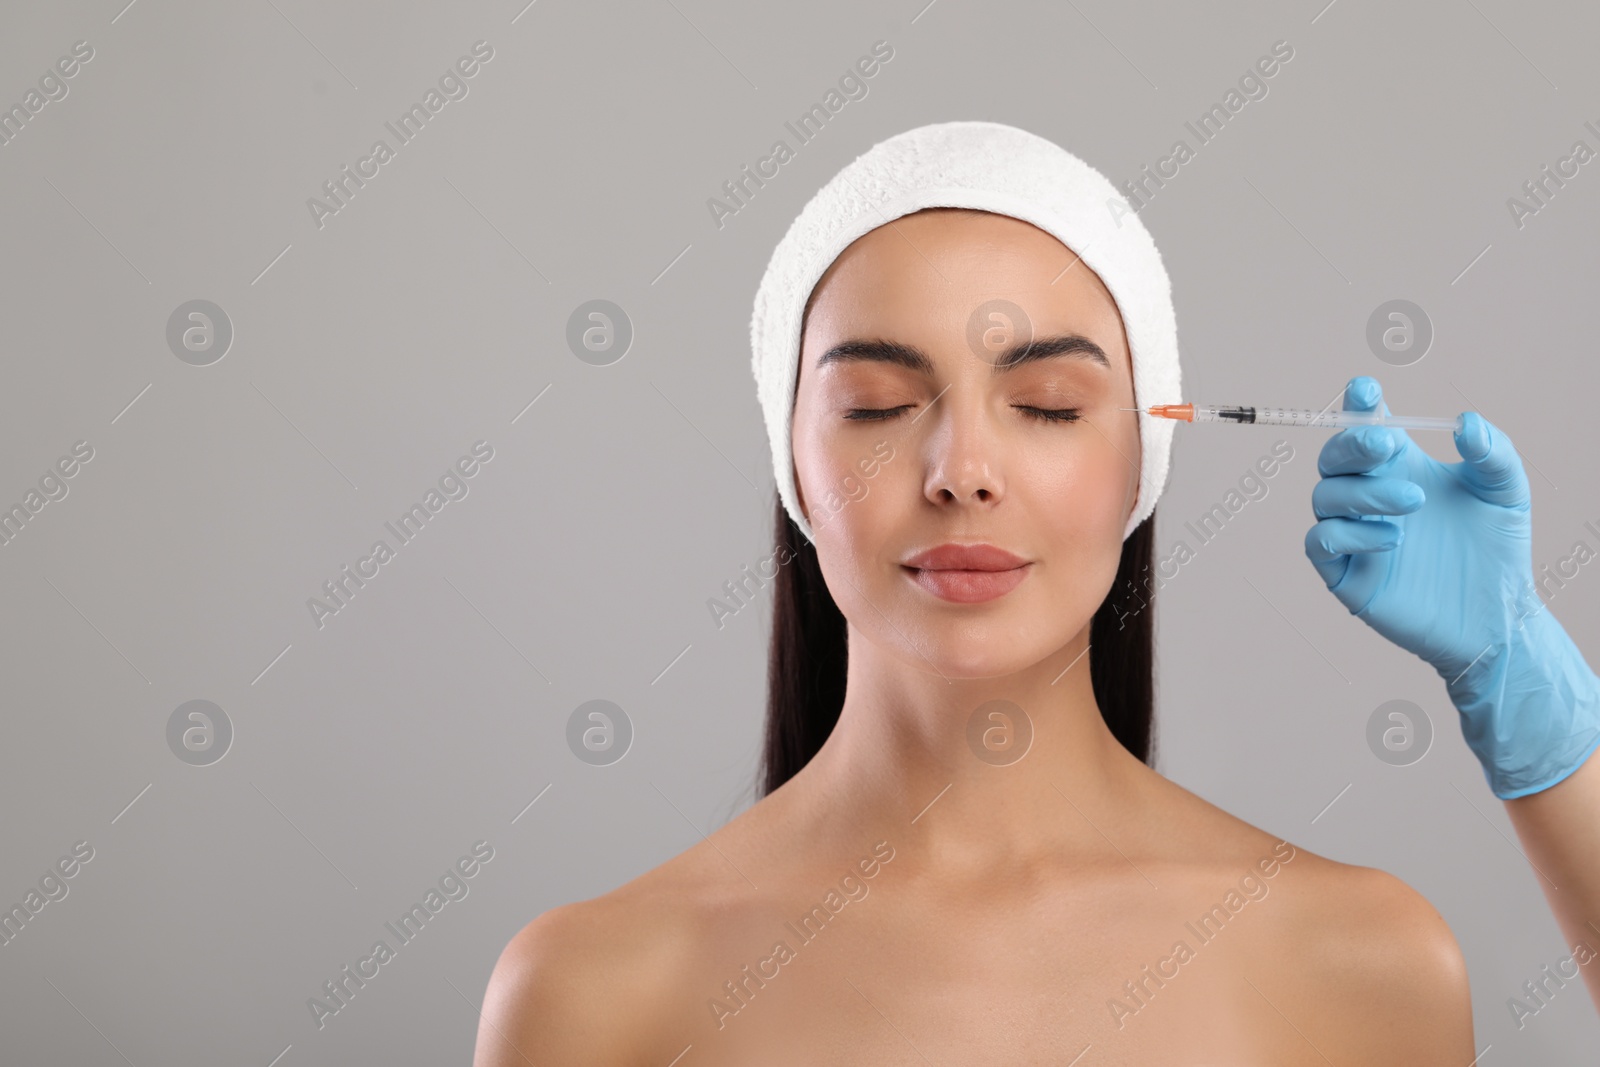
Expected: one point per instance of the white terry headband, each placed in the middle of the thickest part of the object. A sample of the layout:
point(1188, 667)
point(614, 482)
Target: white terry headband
point(986, 166)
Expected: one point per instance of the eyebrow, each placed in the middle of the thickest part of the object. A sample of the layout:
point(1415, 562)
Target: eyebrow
point(913, 358)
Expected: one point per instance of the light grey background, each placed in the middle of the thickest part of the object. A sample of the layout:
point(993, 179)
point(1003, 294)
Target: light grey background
point(369, 354)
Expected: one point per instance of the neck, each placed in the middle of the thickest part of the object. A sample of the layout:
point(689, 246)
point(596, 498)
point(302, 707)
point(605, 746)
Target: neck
point(947, 764)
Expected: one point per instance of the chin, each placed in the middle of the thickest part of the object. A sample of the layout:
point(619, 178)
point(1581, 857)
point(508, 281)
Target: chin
point(973, 652)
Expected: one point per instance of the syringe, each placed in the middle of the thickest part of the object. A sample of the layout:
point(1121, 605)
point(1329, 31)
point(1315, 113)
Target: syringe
point(1297, 417)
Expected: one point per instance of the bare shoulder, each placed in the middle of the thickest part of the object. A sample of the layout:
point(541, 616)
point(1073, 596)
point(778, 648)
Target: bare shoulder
point(1374, 964)
point(1353, 957)
point(601, 981)
point(578, 984)
point(541, 1003)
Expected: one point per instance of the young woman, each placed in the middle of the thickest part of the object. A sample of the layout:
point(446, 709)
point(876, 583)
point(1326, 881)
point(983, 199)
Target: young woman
point(962, 853)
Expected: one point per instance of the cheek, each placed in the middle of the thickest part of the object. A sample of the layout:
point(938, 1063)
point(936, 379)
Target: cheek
point(1082, 500)
point(841, 489)
point(1086, 489)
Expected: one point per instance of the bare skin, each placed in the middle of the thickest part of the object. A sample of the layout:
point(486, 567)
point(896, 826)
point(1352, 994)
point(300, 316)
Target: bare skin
point(981, 912)
point(1559, 828)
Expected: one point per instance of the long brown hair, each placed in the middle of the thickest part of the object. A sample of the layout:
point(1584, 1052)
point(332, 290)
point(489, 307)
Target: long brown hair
point(806, 662)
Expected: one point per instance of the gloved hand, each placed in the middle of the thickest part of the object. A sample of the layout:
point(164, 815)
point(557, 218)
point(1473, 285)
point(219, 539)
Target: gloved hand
point(1449, 576)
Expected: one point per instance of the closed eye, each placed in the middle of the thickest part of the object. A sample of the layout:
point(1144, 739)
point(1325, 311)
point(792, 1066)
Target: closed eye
point(1053, 414)
point(1043, 414)
point(875, 414)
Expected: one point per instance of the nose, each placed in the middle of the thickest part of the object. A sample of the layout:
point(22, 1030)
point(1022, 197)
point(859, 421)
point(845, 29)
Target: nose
point(964, 468)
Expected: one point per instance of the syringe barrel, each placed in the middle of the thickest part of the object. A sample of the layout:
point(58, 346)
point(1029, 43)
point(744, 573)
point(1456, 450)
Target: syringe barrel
point(1327, 418)
point(1276, 416)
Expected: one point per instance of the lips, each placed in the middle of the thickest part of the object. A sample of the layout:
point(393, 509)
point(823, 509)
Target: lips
point(953, 557)
point(967, 574)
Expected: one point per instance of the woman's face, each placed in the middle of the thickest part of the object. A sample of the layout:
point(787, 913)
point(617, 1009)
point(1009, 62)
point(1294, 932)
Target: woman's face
point(922, 419)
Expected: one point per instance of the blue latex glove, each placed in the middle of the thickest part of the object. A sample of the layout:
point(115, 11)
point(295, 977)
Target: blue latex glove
point(1438, 558)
